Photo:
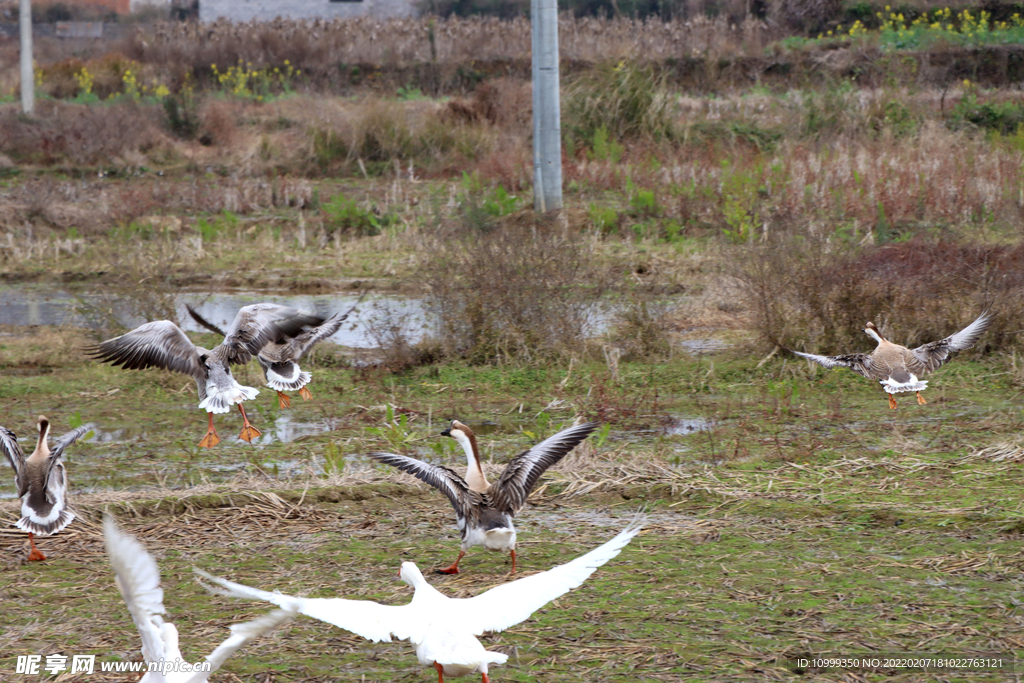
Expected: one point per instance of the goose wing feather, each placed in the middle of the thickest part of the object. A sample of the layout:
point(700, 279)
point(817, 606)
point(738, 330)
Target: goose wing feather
point(257, 324)
point(159, 344)
point(463, 499)
point(12, 449)
point(858, 362)
point(365, 618)
point(509, 493)
point(138, 579)
point(509, 604)
point(241, 635)
point(203, 322)
point(306, 340)
point(933, 355)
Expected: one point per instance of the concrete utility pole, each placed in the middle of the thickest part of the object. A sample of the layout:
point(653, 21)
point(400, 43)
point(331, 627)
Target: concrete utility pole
point(28, 80)
point(547, 124)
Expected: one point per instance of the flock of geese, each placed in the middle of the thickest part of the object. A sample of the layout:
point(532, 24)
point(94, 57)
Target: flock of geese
point(442, 630)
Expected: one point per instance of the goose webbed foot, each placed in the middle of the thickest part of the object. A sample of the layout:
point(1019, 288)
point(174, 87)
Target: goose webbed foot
point(211, 438)
point(248, 432)
point(283, 400)
point(454, 568)
point(892, 402)
point(305, 393)
point(34, 555)
point(920, 399)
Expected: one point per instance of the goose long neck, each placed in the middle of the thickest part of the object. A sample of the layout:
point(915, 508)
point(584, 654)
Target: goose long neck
point(42, 447)
point(874, 335)
point(474, 473)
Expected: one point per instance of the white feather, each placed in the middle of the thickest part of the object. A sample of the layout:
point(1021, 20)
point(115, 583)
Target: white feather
point(443, 629)
point(138, 579)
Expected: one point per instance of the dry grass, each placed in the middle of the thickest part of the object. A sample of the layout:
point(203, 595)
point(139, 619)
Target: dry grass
point(517, 290)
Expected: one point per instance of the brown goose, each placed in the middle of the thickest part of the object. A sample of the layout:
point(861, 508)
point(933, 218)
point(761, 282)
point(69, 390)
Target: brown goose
point(41, 482)
point(278, 358)
point(898, 368)
point(484, 512)
point(162, 344)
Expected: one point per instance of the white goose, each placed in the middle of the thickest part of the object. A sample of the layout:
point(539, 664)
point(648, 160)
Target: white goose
point(138, 580)
point(41, 482)
point(162, 344)
point(484, 512)
point(443, 630)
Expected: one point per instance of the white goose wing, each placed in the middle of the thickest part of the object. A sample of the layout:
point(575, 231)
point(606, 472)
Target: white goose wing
point(241, 635)
point(365, 618)
point(159, 344)
point(507, 605)
point(12, 449)
point(510, 492)
point(934, 354)
point(257, 324)
point(858, 362)
point(138, 579)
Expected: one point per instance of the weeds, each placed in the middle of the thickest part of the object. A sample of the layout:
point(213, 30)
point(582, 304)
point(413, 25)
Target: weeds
point(518, 293)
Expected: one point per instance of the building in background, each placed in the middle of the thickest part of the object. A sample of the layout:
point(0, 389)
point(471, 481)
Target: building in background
point(266, 10)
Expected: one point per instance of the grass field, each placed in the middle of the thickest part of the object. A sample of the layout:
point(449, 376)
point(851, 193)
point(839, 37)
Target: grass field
point(720, 204)
point(807, 520)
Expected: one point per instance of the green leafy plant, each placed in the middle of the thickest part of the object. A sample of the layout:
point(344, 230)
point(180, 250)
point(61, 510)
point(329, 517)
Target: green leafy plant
point(344, 215)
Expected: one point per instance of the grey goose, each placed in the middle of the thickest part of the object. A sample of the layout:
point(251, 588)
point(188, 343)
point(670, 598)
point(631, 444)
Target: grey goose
point(898, 368)
point(41, 482)
point(163, 344)
point(279, 357)
point(484, 512)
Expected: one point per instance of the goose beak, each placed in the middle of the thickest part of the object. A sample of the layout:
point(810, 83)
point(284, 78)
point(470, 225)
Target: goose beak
point(447, 432)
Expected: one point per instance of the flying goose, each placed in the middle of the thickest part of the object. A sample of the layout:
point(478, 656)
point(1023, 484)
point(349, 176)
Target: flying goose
point(41, 482)
point(484, 512)
point(443, 630)
point(163, 344)
point(138, 580)
point(278, 359)
point(898, 368)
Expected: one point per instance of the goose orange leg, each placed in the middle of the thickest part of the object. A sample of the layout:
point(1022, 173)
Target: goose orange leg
point(34, 555)
point(211, 439)
point(305, 393)
point(454, 568)
point(440, 672)
point(892, 402)
point(513, 553)
point(248, 432)
point(486, 679)
point(920, 399)
point(283, 400)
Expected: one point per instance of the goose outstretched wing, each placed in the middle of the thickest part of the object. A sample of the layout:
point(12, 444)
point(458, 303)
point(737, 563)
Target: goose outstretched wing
point(509, 493)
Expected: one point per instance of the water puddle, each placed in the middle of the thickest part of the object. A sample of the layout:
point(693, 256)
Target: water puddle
point(699, 347)
point(682, 426)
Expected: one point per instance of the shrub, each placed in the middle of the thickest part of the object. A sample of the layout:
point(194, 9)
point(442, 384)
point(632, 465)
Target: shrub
point(813, 296)
point(623, 101)
point(519, 292)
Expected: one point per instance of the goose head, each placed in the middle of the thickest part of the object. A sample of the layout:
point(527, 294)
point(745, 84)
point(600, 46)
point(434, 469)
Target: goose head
point(411, 574)
point(873, 332)
point(467, 439)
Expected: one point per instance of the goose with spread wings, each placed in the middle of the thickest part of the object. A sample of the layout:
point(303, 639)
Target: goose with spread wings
point(443, 630)
point(163, 344)
point(898, 368)
point(279, 357)
point(484, 511)
point(41, 482)
point(138, 580)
